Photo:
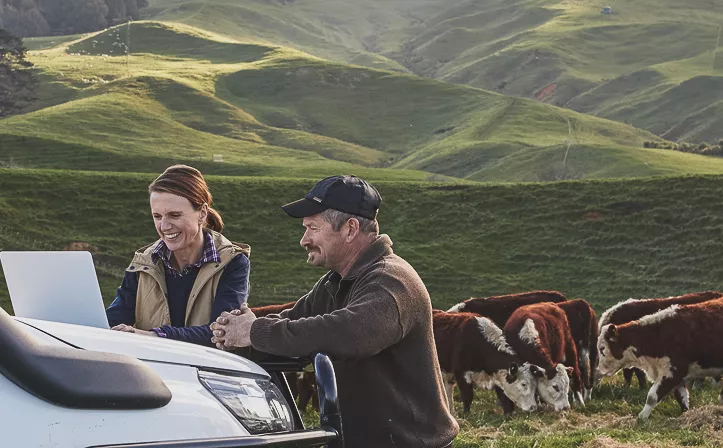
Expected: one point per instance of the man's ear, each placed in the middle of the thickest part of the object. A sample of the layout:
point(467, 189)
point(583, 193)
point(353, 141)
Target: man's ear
point(611, 334)
point(353, 228)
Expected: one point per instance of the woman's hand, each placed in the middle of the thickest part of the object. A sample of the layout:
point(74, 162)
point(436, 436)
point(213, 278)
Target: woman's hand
point(130, 329)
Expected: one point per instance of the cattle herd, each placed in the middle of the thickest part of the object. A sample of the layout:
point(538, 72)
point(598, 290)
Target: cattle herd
point(538, 346)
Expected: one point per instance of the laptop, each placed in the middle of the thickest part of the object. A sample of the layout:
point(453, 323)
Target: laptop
point(54, 286)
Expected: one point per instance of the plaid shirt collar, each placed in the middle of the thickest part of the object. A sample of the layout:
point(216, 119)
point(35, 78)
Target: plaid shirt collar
point(210, 255)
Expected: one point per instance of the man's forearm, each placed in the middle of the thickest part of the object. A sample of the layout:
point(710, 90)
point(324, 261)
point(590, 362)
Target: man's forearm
point(360, 330)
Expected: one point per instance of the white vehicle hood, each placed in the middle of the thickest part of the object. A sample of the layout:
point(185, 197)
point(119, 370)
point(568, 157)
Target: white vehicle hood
point(144, 348)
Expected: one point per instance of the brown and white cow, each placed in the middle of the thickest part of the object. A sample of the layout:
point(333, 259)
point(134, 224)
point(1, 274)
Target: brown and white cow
point(541, 336)
point(500, 308)
point(471, 349)
point(584, 329)
point(671, 346)
point(633, 309)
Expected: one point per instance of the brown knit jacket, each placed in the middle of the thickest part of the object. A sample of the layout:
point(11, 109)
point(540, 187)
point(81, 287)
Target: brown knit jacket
point(376, 324)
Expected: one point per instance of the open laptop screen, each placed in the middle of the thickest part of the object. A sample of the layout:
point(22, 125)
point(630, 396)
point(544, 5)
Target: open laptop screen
point(54, 286)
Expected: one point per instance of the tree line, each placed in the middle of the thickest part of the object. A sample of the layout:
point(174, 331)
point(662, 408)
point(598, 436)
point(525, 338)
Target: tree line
point(28, 18)
point(704, 148)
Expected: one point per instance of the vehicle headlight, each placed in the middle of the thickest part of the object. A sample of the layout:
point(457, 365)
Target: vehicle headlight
point(257, 403)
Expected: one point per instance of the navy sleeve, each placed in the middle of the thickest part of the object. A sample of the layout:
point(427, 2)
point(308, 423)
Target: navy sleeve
point(123, 308)
point(232, 292)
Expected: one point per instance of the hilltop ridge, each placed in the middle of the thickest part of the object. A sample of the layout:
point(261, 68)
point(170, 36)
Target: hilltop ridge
point(123, 99)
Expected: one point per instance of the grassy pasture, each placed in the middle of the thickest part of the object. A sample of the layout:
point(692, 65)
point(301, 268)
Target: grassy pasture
point(607, 421)
point(273, 111)
point(515, 47)
point(604, 241)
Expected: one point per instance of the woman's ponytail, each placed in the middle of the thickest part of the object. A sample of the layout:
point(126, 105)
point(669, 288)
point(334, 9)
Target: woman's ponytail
point(214, 220)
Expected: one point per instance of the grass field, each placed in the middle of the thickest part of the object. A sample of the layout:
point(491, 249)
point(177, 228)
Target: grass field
point(607, 421)
point(601, 240)
point(562, 52)
point(604, 241)
point(273, 111)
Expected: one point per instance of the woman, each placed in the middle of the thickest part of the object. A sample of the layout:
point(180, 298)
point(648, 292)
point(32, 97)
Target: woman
point(177, 286)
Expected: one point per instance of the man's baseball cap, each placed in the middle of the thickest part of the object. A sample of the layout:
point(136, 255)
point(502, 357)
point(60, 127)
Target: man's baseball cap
point(348, 194)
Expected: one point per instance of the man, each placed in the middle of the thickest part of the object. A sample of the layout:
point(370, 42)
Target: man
point(371, 313)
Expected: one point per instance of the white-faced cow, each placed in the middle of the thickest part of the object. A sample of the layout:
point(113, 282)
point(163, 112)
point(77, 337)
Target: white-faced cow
point(583, 327)
point(633, 309)
point(671, 346)
point(472, 349)
point(540, 335)
point(499, 309)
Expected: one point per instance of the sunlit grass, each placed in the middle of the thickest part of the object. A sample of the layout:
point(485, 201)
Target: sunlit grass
point(604, 241)
point(515, 47)
point(270, 110)
point(609, 419)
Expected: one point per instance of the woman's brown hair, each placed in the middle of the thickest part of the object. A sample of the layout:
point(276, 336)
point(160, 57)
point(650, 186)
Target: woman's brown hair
point(188, 182)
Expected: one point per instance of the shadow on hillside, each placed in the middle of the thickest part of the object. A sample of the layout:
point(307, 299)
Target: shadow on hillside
point(163, 40)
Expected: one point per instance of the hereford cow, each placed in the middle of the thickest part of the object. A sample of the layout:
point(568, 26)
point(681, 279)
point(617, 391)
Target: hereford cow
point(540, 335)
point(633, 309)
point(500, 308)
point(671, 346)
point(583, 326)
point(472, 349)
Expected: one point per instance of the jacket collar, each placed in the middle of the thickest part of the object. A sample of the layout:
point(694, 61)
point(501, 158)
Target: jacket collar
point(381, 247)
point(208, 255)
point(226, 251)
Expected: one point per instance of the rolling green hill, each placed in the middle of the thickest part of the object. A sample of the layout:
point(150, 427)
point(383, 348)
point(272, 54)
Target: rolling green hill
point(274, 111)
point(562, 52)
point(341, 31)
point(601, 240)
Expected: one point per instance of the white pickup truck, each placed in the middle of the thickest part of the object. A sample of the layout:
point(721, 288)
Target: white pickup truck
point(64, 385)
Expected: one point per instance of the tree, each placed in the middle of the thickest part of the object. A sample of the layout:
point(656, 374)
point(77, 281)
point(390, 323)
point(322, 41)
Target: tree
point(27, 18)
point(22, 18)
point(17, 82)
point(82, 16)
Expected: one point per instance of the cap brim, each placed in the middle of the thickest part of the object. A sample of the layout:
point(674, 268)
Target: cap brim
point(303, 208)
